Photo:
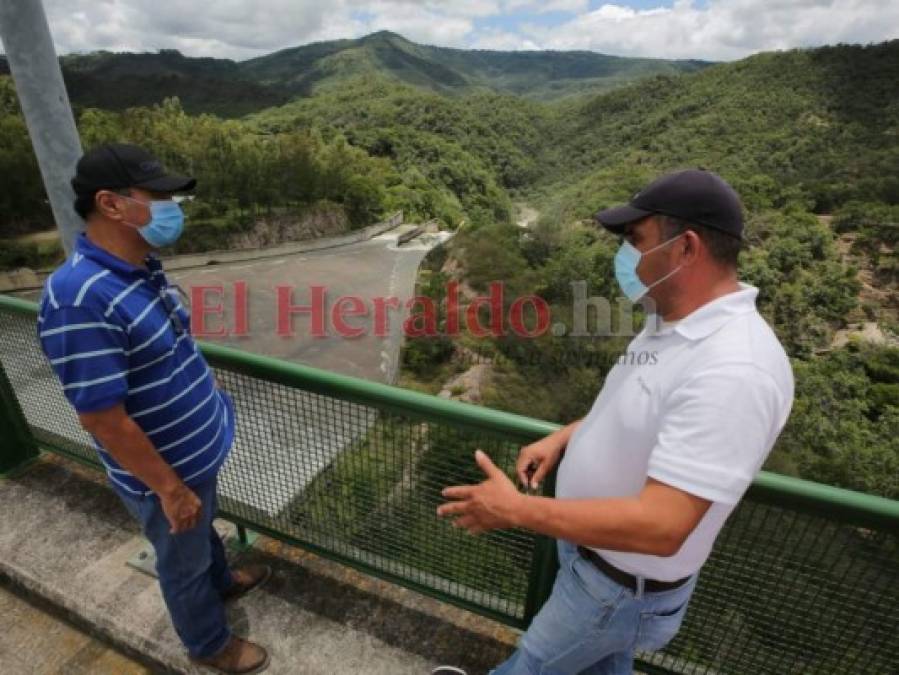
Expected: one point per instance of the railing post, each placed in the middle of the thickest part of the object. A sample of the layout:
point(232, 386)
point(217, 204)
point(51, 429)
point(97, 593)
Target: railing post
point(17, 445)
point(544, 565)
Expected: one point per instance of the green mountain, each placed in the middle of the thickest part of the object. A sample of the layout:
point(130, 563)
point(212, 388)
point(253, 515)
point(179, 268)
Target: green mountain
point(532, 74)
point(232, 89)
point(115, 81)
point(820, 125)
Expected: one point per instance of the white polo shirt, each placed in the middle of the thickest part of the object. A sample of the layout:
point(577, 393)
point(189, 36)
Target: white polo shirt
point(696, 404)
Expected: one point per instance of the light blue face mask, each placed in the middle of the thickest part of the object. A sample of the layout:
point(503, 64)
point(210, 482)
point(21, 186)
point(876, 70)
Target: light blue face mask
point(166, 222)
point(626, 261)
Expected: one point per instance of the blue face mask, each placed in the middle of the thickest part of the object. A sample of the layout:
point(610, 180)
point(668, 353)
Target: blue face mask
point(626, 261)
point(166, 223)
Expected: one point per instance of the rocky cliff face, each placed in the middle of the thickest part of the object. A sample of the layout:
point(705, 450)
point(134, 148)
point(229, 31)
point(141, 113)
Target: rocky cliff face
point(321, 220)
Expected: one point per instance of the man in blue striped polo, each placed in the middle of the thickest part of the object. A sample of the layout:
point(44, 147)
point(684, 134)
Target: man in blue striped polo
point(119, 340)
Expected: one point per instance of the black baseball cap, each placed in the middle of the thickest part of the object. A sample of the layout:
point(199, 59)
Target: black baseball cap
point(697, 196)
point(119, 165)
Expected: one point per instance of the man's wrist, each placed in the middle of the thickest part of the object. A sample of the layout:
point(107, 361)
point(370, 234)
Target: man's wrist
point(522, 512)
point(170, 488)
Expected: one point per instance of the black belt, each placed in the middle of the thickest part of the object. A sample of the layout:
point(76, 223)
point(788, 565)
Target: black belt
point(624, 578)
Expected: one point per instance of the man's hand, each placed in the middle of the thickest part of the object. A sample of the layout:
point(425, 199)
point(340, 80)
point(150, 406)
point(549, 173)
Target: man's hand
point(539, 457)
point(490, 505)
point(133, 450)
point(182, 508)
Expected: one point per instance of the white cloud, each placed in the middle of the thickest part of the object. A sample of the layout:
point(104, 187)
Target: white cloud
point(719, 30)
point(725, 29)
point(426, 22)
point(246, 28)
point(502, 40)
point(547, 6)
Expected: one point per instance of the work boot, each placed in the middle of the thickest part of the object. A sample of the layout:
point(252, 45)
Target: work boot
point(239, 657)
point(246, 579)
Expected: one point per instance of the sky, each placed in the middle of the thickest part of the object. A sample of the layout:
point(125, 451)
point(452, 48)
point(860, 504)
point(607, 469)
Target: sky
point(719, 30)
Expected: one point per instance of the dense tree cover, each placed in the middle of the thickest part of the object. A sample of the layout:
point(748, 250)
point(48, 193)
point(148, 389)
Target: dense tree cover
point(421, 153)
point(246, 170)
point(475, 147)
point(819, 125)
point(22, 200)
point(116, 81)
point(844, 429)
point(243, 173)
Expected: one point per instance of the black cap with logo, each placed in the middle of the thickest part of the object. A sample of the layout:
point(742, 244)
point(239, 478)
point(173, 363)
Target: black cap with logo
point(696, 196)
point(118, 165)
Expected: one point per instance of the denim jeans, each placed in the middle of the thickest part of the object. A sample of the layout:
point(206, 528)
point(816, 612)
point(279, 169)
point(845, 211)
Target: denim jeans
point(192, 569)
point(591, 625)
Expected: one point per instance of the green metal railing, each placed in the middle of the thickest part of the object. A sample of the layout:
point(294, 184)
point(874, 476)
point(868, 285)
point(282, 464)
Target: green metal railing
point(803, 577)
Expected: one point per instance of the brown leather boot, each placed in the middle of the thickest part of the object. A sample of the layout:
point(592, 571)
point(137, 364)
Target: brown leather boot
point(239, 657)
point(246, 579)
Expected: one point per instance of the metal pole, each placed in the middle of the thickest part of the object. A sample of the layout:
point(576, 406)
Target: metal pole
point(45, 105)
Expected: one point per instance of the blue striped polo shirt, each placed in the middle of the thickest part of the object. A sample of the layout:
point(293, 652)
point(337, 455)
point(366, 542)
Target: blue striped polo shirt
point(116, 333)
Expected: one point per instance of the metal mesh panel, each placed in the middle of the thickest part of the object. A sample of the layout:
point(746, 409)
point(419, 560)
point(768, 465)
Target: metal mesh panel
point(365, 485)
point(785, 591)
point(52, 420)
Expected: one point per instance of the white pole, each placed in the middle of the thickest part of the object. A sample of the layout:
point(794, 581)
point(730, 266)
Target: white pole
point(45, 105)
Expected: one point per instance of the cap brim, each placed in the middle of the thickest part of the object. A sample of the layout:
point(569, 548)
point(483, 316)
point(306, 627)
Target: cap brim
point(617, 218)
point(169, 184)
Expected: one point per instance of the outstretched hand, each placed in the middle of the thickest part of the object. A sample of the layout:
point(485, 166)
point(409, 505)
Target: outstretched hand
point(490, 505)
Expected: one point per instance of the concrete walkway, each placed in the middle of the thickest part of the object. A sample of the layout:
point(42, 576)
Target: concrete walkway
point(34, 641)
point(66, 538)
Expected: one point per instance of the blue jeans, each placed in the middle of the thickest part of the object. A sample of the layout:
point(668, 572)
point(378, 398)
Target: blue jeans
point(192, 569)
point(591, 625)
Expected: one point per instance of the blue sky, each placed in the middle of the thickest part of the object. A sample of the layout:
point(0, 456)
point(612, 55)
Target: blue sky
point(704, 29)
point(511, 19)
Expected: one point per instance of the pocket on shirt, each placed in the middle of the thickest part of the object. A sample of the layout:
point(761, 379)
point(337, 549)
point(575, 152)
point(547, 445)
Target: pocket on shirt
point(635, 404)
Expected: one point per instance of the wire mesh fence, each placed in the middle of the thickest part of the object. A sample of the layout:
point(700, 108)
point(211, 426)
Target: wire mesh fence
point(354, 470)
point(365, 484)
point(787, 592)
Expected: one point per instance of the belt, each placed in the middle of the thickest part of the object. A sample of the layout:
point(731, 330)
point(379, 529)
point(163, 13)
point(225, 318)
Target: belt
point(626, 579)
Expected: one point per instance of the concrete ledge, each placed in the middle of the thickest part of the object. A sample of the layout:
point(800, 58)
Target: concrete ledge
point(65, 538)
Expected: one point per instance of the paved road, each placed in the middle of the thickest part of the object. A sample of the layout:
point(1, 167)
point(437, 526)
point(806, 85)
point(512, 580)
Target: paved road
point(378, 267)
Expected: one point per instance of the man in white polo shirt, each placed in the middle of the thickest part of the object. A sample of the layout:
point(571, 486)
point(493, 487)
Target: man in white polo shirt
point(681, 426)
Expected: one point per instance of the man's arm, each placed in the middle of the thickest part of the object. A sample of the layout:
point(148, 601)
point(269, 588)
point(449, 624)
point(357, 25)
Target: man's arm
point(134, 451)
point(655, 522)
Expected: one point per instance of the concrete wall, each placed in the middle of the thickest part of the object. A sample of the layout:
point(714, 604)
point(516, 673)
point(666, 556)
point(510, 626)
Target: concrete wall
point(28, 280)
